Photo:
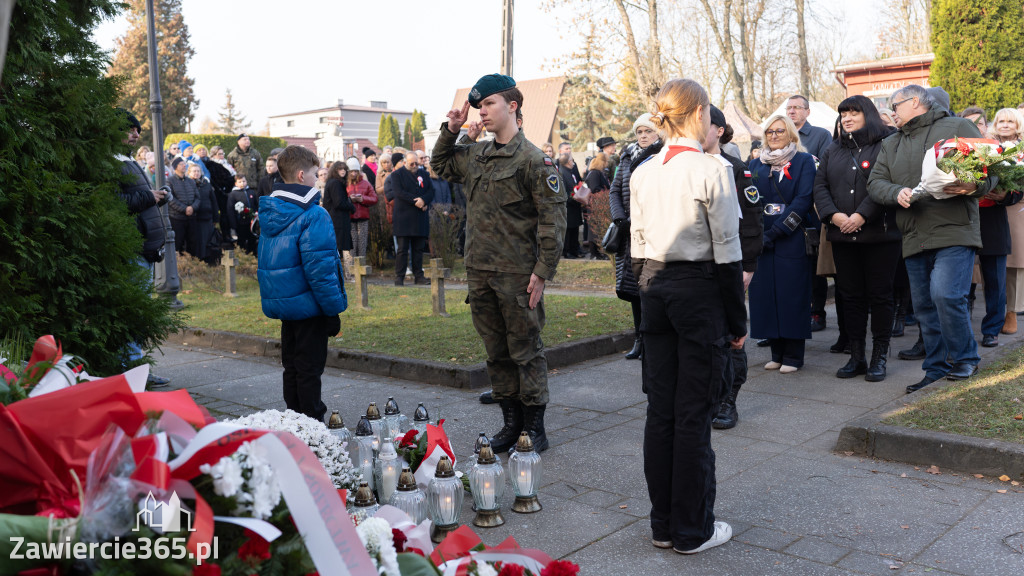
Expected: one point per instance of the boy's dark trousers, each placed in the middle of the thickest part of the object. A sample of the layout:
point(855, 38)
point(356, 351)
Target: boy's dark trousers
point(303, 355)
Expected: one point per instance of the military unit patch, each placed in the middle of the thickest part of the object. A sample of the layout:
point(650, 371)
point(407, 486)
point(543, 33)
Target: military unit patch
point(554, 183)
point(753, 196)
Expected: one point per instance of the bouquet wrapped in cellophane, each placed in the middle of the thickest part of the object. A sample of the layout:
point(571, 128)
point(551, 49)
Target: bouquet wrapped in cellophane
point(970, 161)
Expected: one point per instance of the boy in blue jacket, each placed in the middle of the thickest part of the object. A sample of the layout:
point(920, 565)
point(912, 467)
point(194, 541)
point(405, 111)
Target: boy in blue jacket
point(299, 275)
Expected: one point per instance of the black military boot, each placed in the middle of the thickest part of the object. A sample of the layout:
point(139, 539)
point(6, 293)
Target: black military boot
point(876, 371)
point(857, 364)
point(534, 426)
point(915, 353)
point(512, 412)
point(727, 416)
point(899, 321)
point(637, 351)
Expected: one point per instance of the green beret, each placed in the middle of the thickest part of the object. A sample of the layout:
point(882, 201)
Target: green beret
point(490, 84)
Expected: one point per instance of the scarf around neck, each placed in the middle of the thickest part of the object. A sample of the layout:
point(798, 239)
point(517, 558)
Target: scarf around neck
point(778, 159)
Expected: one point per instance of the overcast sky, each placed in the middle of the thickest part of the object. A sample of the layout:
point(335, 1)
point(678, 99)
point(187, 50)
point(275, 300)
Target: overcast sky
point(409, 54)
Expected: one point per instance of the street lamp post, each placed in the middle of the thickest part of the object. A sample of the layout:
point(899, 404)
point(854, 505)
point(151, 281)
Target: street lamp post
point(167, 282)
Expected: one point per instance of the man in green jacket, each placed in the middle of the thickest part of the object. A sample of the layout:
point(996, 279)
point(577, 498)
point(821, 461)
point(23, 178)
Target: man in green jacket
point(515, 204)
point(940, 237)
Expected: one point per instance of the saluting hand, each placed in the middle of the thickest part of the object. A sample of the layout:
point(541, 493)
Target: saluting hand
point(457, 117)
point(474, 130)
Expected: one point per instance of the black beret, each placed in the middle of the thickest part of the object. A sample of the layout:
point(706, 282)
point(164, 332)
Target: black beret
point(396, 158)
point(368, 152)
point(717, 118)
point(130, 119)
point(242, 135)
point(604, 141)
point(490, 84)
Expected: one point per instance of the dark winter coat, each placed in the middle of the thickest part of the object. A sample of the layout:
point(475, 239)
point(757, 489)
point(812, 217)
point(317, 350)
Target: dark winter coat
point(780, 292)
point(183, 195)
point(404, 187)
point(137, 193)
point(340, 208)
point(573, 209)
point(841, 186)
point(928, 224)
point(267, 182)
point(248, 199)
point(751, 211)
point(207, 215)
point(995, 226)
point(369, 175)
point(618, 198)
point(442, 192)
point(299, 267)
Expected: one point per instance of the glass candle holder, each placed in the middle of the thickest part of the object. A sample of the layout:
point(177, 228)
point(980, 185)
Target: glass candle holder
point(365, 505)
point(386, 471)
point(362, 457)
point(525, 471)
point(487, 482)
point(376, 424)
point(408, 498)
point(444, 500)
point(392, 419)
point(420, 418)
point(337, 427)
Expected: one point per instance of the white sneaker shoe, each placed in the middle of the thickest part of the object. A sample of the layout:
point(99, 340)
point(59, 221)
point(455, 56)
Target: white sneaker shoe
point(661, 543)
point(773, 365)
point(723, 533)
point(787, 369)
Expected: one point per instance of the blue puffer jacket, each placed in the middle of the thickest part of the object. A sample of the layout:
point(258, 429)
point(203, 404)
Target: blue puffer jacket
point(298, 258)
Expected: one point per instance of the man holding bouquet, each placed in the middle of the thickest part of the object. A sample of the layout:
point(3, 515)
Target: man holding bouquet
point(940, 236)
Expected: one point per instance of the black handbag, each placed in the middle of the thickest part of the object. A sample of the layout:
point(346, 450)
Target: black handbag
point(613, 237)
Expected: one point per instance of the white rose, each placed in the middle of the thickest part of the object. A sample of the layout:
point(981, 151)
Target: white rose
point(239, 207)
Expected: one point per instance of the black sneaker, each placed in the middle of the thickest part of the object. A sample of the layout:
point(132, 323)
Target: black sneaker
point(990, 340)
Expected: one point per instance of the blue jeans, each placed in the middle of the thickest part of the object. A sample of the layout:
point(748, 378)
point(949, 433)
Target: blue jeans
point(993, 271)
point(135, 352)
point(939, 282)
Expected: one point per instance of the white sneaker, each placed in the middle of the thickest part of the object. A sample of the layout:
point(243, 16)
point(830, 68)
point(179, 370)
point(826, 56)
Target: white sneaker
point(773, 365)
point(787, 369)
point(661, 543)
point(723, 533)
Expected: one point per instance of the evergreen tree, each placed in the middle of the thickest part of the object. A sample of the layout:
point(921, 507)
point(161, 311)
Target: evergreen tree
point(131, 61)
point(407, 140)
point(68, 246)
point(230, 120)
point(396, 132)
point(589, 109)
point(385, 135)
point(978, 46)
point(419, 124)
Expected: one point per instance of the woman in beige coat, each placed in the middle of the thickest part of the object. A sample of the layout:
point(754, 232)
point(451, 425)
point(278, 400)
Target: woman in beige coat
point(1008, 128)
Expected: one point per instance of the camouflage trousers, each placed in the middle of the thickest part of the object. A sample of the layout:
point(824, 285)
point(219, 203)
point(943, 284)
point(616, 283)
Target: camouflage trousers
point(511, 334)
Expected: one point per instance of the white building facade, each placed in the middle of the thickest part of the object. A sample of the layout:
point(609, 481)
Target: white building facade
point(349, 122)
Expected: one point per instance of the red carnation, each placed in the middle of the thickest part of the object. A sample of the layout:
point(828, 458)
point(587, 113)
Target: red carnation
point(560, 568)
point(963, 147)
point(409, 439)
point(511, 570)
point(206, 570)
point(399, 538)
point(255, 550)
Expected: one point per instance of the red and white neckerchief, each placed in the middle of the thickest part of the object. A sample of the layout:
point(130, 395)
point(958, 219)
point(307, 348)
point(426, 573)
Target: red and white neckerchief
point(673, 150)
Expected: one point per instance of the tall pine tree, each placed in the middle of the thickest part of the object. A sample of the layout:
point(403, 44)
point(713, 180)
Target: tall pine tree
point(68, 247)
point(385, 137)
point(131, 60)
point(589, 109)
point(396, 132)
point(978, 46)
point(229, 119)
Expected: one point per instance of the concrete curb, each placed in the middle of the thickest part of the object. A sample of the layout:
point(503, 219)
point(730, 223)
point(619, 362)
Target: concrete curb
point(473, 376)
point(867, 436)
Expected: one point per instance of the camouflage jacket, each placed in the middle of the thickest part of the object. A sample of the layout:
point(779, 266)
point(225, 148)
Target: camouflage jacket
point(515, 203)
point(248, 163)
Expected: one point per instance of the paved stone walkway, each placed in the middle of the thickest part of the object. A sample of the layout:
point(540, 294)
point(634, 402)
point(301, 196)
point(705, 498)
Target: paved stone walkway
point(795, 507)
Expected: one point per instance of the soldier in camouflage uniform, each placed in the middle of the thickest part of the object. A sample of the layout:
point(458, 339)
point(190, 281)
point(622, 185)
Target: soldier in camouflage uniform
point(515, 228)
point(246, 160)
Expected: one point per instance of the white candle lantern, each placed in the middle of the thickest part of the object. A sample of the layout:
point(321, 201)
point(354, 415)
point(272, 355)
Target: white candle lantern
point(386, 471)
point(444, 500)
point(524, 469)
point(487, 481)
point(363, 456)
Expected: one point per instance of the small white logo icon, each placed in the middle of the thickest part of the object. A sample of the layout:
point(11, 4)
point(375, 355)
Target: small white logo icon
point(163, 517)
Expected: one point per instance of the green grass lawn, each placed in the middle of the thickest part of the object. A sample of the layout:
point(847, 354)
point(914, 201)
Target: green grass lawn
point(400, 321)
point(589, 274)
point(990, 405)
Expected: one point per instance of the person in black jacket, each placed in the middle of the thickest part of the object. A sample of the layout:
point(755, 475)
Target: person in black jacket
point(339, 206)
point(243, 204)
point(222, 181)
point(995, 246)
point(647, 144)
point(267, 180)
point(864, 236)
point(183, 203)
point(412, 192)
point(597, 180)
point(573, 209)
point(751, 241)
point(207, 248)
point(144, 202)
